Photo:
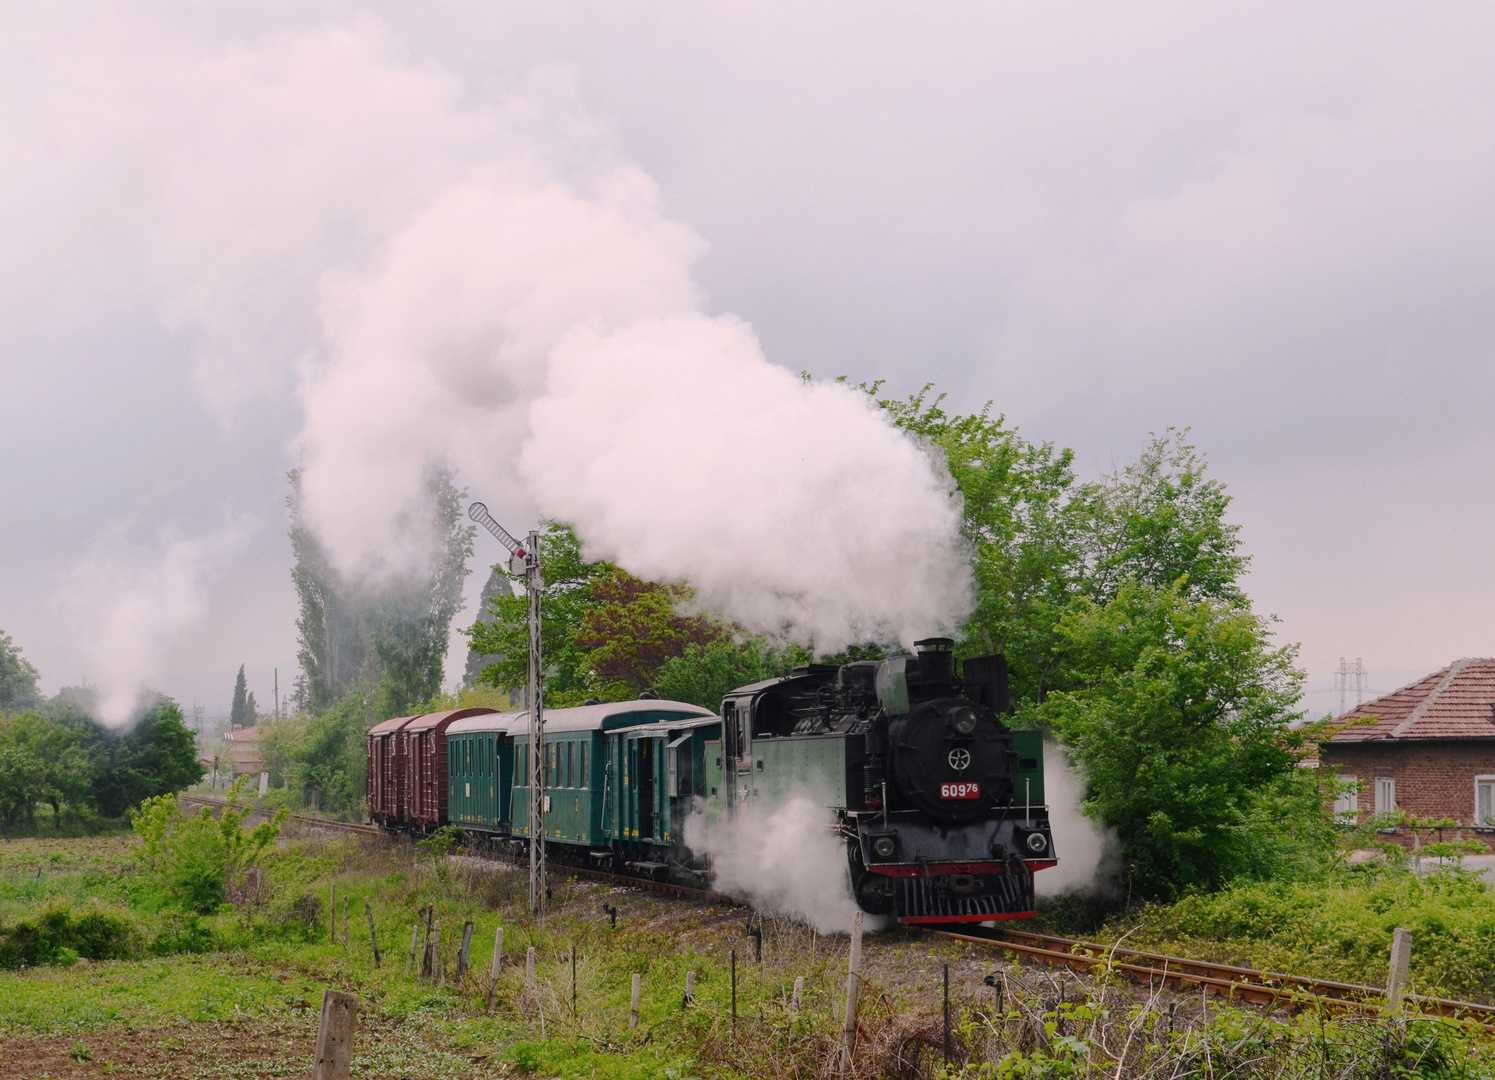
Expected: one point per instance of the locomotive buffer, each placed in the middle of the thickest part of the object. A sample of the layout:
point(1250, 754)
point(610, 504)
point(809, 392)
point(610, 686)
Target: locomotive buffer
point(526, 560)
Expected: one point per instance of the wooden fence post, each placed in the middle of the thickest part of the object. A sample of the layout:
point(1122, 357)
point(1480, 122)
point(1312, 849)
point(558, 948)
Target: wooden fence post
point(373, 937)
point(799, 992)
point(1401, 957)
point(529, 964)
point(332, 915)
point(498, 959)
point(425, 951)
point(633, 1001)
point(853, 988)
point(690, 988)
point(462, 952)
point(335, 1035)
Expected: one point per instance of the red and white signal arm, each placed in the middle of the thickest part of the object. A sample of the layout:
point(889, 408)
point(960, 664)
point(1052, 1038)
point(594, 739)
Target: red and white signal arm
point(968, 789)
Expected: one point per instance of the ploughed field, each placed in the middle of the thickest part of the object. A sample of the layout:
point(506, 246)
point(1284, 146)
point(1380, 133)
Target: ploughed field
point(236, 994)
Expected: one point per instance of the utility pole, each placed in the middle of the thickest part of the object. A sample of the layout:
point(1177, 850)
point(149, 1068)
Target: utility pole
point(527, 561)
point(277, 693)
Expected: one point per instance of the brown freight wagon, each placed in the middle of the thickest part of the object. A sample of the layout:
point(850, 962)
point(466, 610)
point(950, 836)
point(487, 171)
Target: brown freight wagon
point(424, 753)
point(387, 798)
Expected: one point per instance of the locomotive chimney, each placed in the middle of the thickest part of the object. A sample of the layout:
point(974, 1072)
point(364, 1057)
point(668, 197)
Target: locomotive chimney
point(936, 659)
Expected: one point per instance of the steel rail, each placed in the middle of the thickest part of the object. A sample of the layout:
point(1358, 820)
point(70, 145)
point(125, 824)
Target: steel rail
point(1225, 980)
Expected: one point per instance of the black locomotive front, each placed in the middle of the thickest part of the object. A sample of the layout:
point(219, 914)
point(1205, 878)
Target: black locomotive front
point(943, 818)
point(943, 833)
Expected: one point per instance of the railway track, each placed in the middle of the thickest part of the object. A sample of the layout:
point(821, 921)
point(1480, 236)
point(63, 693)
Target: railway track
point(1151, 969)
point(1223, 980)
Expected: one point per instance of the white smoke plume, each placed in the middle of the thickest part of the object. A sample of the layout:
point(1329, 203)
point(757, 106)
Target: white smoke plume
point(491, 284)
point(786, 859)
point(1089, 853)
point(128, 605)
point(548, 340)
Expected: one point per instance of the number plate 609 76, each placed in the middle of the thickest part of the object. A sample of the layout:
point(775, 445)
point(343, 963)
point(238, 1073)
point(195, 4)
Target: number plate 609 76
point(967, 790)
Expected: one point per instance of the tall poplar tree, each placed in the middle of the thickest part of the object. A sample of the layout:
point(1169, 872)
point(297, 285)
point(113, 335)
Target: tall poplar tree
point(387, 636)
point(239, 710)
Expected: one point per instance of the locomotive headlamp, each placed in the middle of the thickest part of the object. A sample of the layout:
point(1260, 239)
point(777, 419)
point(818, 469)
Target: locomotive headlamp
point(883, 847)
point(1037, 843)
point(963, 720)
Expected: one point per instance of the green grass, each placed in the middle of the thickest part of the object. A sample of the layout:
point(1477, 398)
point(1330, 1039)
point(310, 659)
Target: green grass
point(238, 992)
point(1339, 927)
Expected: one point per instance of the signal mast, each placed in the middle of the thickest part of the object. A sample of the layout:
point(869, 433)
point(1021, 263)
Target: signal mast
point(526, 560)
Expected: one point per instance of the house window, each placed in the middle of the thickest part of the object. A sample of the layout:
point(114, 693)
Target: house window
point(1484, 800)
point(1347, 801)
point(1385, 794)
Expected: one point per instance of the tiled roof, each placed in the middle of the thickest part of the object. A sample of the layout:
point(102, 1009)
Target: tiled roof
point(1456, 702)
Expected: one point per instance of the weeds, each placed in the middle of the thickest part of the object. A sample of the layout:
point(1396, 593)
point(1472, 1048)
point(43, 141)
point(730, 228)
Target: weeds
point(263, 967)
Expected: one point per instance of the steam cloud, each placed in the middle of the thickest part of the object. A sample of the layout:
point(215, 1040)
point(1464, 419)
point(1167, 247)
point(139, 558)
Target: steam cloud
point(787, 860)
point(548, 341)
point(1089, 854)
point(491, 285)
point(128, 605)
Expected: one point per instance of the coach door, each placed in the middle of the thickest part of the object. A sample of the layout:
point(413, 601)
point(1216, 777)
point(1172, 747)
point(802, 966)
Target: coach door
point(738, 746)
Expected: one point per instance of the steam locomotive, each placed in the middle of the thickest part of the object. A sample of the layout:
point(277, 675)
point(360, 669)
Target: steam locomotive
point(940, 804)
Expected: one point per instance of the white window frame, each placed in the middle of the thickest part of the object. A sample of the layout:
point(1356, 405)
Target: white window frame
point(1385, 794)
point(1481, 780)
point(1347, 799)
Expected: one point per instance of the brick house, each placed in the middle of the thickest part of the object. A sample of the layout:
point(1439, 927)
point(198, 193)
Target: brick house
point(1428, 749)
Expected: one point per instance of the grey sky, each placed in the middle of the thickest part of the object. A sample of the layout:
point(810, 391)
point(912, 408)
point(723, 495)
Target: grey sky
point(1272, 224)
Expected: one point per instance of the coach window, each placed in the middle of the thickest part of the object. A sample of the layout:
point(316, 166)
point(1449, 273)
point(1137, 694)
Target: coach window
point(582, 771)
point(1484, 800)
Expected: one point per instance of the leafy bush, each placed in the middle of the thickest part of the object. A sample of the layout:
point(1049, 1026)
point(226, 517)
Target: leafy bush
point(1339, 927)
point(188, 935)
point(57, 937)
point(192, 858)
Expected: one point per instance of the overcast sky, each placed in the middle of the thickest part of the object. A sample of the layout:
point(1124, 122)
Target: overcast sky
point(1270, 223)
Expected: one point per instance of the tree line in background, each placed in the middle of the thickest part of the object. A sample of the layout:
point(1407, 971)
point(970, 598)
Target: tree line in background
point(55, 759)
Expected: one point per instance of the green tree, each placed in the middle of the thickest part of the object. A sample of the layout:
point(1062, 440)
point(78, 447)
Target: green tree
point(704, 674)
point(238, 712)
point(497, 585)
point(605, 633)
point(635, 628)
point(194, 858)
point(21, 783)
point(391, 635)
point(63, 772)
point(155, 757)
point(1025, 517)
point(18, 677)
point(1162, 520)
point(1180, 712)
point(329, 758)
point(566, 600)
